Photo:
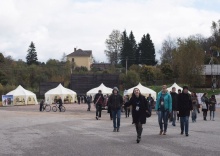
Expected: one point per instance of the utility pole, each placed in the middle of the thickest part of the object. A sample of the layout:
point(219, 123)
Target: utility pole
point(126, 65)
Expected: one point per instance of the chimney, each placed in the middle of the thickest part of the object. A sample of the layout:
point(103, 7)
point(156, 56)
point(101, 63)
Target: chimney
point(74, 49)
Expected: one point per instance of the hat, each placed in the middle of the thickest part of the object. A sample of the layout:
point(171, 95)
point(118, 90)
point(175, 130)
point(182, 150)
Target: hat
point(115, 88)
point(185, 87)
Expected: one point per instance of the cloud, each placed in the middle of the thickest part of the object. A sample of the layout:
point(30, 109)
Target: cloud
point(57, 26)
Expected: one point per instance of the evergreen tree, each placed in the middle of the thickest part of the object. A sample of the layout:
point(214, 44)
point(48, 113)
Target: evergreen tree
point(32, 55)
point(147, 51)
point(128, 49)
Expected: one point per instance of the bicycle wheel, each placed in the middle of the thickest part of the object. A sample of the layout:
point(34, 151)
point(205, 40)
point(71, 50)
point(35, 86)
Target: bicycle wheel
point(63, 109)
point(54, 108)
point(48, 108)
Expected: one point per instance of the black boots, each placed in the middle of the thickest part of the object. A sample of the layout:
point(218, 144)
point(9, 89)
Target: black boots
point(139, 132)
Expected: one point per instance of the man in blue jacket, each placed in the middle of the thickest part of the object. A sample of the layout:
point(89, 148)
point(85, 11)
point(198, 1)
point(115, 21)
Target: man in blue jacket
point(163, 108)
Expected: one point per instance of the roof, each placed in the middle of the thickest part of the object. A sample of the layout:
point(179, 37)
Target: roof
point(144, 90)
point(80, 52)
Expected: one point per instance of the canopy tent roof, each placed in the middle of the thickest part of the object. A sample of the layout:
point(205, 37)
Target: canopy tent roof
point(24, 94)
point(105, 90)
point(59, 91)
point(177, 88)
point(144, 91)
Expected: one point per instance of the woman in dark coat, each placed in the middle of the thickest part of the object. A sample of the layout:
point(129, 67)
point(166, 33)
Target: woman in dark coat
point(140, 107)
point(212, 102)
point(205, 103)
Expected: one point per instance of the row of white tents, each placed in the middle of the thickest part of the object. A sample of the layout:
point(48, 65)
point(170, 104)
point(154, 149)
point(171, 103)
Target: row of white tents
point(24, 97)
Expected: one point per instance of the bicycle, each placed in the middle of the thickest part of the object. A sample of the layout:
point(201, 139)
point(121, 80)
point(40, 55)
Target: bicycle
point(46, 107)
point(54, 108)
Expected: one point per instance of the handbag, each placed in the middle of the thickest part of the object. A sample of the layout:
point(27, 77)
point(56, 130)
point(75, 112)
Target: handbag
point(204, 106)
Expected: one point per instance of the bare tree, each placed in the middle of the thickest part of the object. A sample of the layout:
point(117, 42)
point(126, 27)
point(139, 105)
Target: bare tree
point(113, 45)
point(166, 51)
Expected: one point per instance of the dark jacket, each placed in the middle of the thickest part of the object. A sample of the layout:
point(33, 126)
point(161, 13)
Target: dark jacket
point(115, 101)
point(150, 100)
point(174, 96)
point(212, 102)
point(140, 115)
point(184, 104)
point(98, 100)
point(60, 101)
point(206, 101)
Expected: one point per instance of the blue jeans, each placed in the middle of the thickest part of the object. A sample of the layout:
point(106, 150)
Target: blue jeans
point(116, 114)
point(212, 114)
point(174, 117)
point(184, 124)
point(163, 115)
point(194, 113)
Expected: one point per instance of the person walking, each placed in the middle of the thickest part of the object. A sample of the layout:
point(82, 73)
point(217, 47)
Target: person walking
point(109, 108)
point(150, 100)
point(127, 109)
point(195, 106)
point(205, 103)
point(78, 99)
point(60, 102)
point(41, 105)
point(115, 102)
point(212, 105)
point(179, 91)
point(139, 110)
point(98, 101)
point(163, 108)
point(174, 96)
point(184, 108)
point(88, 100)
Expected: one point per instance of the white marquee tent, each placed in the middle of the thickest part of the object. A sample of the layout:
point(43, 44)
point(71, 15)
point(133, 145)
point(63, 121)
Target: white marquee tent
point(177, 87)
point(144, 91)
point(105, 90)
point(22, 96)
point(60, 91)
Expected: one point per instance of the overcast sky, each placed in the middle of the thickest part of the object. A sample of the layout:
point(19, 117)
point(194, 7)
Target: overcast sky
point(57, 26)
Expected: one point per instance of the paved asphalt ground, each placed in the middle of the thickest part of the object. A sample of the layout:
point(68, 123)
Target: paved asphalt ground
point(24, 131)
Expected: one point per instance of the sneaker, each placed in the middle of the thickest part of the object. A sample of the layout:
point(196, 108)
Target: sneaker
point(187, 135)
point(164, 133)
point(160, 132)
point(97, 118)
point(118, 130)
point(174, 124)
point(114, 130)
point(181, 133)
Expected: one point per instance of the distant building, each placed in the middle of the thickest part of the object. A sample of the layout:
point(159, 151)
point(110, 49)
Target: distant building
point(81, 58)
point(212, 75)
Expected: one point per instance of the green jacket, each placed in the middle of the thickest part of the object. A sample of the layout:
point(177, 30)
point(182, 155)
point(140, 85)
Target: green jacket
point(167, 101)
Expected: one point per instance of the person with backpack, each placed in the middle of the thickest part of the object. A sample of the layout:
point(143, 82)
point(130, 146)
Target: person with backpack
point(98, 101)
point(184, 108)
point(140, 110)
point(163, 108)
point(205, 104)
point(115, 102)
